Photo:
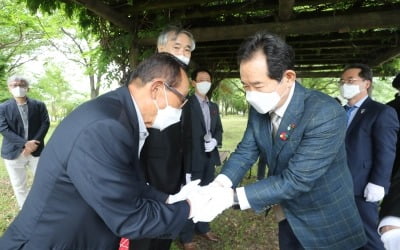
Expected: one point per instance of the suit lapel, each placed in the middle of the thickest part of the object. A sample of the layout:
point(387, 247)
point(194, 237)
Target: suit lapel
point(132, 112)
point(289, 122)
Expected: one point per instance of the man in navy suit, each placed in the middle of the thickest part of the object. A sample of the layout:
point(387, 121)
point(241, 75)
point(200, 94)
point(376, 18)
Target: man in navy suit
point(24, 123)
point(202, 137)
point(389, 213)
point(371, 138)
point(89, 188)
point(301, 134)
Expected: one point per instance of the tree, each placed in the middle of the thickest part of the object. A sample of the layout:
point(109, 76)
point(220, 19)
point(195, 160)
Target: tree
point(56, 92)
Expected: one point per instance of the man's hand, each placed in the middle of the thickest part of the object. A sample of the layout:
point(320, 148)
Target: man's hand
point(192, 186)
point(220, 198)
point(30, 147)
point(373, 192)
point(209, 146)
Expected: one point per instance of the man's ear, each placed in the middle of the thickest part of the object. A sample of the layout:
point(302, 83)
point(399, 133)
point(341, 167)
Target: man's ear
point(290, 75)
point(193, 83)
point(156, 85)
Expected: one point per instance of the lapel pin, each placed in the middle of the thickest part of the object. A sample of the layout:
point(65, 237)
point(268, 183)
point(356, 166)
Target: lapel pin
point(283, 136)
point(362, 111)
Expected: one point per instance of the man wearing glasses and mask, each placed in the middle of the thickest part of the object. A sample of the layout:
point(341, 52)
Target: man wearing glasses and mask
point(371, 138)
point(89, 189)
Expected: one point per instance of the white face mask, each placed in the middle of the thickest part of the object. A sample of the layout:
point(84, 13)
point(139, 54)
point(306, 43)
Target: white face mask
point(263, 102)
point(183, 59)
point(348, 91)
point(167, 116)
point(19, 92)
point(203, 87)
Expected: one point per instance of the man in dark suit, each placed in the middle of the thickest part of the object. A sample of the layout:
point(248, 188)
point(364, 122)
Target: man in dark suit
point(389, 214)
point(202, 137)
point(395, 103)
point(89, 189)
point(161, 156)
point(371, 138)
point(301, 134)
point(24, 123)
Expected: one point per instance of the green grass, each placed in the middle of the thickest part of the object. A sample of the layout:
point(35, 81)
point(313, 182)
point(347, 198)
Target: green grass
point(237, 229)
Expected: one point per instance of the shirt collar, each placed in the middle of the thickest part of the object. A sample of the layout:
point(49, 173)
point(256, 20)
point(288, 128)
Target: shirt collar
point(200, 98)
point(360, 102)
point(282, 109)
point(142, 125)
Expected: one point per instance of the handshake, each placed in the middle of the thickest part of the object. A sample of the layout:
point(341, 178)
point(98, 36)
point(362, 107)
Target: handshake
point(206, 202)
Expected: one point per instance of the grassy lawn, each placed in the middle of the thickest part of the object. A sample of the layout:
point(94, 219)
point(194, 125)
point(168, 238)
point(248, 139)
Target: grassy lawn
point(237, 229)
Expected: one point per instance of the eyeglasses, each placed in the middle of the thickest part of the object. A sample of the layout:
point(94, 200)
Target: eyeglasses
point(349, 81)
point(14, 85)
point(176, 92)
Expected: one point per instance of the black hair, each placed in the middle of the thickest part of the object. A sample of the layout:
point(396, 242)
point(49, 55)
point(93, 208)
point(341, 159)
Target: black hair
point(162, 65)
point(196, 71)
point(396, 82)
point(279, 55)
point(365, 70)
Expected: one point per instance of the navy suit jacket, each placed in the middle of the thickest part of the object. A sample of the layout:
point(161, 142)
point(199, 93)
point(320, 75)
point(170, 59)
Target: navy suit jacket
point(371, 145)
point(196, 160)
point(12, 127)
point(307, 171)
point(89, 189)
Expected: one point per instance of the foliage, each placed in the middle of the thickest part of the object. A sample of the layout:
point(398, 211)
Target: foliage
point(230, 97)
point(56, 92)
point(20, 34)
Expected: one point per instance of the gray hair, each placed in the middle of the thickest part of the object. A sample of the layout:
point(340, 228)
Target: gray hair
point(174, 30)
point(17, 79)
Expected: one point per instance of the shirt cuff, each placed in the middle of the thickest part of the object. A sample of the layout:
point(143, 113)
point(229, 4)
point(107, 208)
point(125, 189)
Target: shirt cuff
point(223, 180)
point(243, 202)
point(386, 221)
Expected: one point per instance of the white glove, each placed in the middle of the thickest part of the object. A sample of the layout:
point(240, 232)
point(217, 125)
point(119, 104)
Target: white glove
point(221, 181)
point(373, 192)
point(184, 192)
point(188, 177)
point(391, 239)
point(221, 199)
point(209, 146)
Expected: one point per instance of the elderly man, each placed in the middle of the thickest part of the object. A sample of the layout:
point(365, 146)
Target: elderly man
point(162, 153)
point(24, 123)
point(89, 189)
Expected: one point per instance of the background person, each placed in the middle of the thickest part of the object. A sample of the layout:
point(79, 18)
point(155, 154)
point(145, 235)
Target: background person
point(202, 137)
point(24, 123)
point(371, 138)
point(389, 213)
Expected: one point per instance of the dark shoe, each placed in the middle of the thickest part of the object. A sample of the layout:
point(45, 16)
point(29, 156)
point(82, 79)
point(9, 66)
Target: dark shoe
point(189, 246)
point(210, 236)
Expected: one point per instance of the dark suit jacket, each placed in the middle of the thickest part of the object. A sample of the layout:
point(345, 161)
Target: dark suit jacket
point(308, 173)
point(161, 159)
point(12, 127)
point(396, 105)
point(196, 160)
point(89, 189)
point(371, 145)
point(390, 205)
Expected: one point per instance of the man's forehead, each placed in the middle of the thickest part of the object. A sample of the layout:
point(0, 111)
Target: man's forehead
point(173, 37)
